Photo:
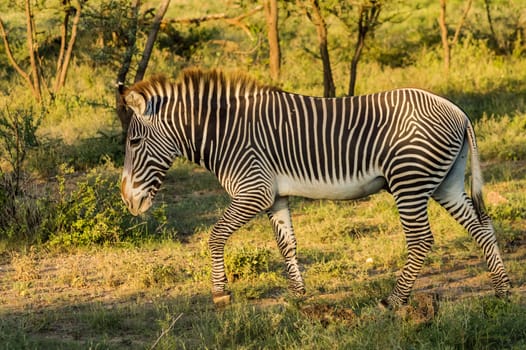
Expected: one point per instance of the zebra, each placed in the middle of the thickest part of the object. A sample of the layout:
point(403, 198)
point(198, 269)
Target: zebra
point(265, 144)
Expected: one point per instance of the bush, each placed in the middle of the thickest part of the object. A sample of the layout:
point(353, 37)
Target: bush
point(93, 213)
point(19, 212)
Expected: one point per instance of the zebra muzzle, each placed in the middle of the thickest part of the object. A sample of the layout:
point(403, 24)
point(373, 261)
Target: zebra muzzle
point(137, 201)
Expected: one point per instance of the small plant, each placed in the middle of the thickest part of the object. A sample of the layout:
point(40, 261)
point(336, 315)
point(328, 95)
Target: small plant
point(164, 275)
point(246, 262)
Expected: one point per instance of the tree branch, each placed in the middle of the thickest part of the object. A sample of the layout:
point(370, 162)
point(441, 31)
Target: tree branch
point(461, 23)
point(232, 20)
point(11, 58)
point(31, 50)
point(443, 34)
point(63, 36)
point(131, 39)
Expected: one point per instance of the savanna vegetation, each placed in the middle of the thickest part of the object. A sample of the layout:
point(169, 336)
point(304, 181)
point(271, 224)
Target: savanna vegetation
point(77, 271)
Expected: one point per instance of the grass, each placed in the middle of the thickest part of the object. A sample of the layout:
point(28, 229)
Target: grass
point(124, 297)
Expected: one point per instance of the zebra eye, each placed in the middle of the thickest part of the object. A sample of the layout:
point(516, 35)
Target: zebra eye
point(135, 141)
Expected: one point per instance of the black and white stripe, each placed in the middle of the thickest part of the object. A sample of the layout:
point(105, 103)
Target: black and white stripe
point(264, 145)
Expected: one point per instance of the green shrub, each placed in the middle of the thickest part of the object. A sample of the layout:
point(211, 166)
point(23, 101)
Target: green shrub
point(246, 262)
point(93, 213)
point(19, 210)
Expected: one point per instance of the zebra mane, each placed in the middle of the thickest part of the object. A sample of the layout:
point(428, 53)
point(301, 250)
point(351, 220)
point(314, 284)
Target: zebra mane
point(247, 84)
point(237, 81)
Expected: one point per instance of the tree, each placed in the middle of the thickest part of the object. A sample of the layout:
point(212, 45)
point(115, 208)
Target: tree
point(368, 13)
point(446, 44)
point(131, 47)
point(313, 12)
point(66, 50)
point(34, 78)
point(271, 15)
point(123, 113)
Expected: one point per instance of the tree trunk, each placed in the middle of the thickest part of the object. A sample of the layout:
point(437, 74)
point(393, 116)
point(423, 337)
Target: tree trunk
point(271, 14)
point(354, 63)
point(31, 50)
point(63, 70)
point(122, 112)
point(143, 64)
point(490, 21)
point(321, 29)
point(367, 20)
point(443, 35)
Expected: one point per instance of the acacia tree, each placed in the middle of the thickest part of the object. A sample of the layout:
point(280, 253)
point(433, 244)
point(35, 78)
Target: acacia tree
point(131, 47)
point(271, 15)
point(66, 46)
point(313, 11)
point(368, 13)
point(444, 35)
point(124, 114)
point(33, 77)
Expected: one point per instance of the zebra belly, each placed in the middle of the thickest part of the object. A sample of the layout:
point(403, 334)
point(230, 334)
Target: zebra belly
point(338, 190)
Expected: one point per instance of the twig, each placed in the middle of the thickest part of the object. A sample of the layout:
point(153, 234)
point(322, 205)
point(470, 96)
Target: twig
point(166, 331)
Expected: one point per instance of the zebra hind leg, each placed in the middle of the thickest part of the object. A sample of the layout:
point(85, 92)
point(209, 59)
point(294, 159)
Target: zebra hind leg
point(460, 206)
point(419, 240)
point(279, 216)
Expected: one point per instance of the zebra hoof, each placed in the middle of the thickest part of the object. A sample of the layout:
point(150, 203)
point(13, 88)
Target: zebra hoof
point(299, 292)
point(222, 299)
point(298, 289)
point(505, 295)
point(391, 303)
point(385, 305)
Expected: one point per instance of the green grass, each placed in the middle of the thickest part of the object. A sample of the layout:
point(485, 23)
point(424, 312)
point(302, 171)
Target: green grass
point(474, 323)
point(124, 297)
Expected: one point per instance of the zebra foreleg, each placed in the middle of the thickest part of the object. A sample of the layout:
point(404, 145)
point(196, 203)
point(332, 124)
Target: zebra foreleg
point(481, 229)
point(241, 210)
point(419, 241)
point(279, 216)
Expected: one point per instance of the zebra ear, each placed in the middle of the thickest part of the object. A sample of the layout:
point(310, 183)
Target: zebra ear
point(136, 102)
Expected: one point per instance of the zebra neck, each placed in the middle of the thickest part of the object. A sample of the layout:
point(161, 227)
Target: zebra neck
point(214, 128)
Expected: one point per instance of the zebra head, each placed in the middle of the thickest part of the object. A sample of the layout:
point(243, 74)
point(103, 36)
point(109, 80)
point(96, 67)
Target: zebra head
point(148, 153)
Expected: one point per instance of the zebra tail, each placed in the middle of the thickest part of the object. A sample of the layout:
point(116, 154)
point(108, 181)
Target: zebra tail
point(476, 174)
